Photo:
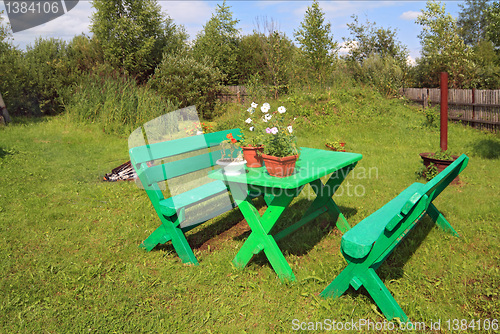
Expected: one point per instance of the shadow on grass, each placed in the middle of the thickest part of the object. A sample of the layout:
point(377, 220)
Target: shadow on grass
point(4, 153)
point(29, 119)
point(303, 240)
point(487, 148)
point(392, 267)
point(203, 234)
point(298, 243)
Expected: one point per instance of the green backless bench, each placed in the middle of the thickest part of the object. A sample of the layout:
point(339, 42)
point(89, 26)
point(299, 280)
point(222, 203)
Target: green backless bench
point(366, 246)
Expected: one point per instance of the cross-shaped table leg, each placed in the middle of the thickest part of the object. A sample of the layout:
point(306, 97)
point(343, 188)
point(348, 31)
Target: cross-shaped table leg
point(324, 197)
point(260, 239)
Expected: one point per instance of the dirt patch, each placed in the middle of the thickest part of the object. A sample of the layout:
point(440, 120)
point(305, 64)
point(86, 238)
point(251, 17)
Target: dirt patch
point(218, 241)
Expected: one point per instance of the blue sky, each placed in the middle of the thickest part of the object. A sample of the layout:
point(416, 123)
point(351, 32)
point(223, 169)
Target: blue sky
point(193, 15)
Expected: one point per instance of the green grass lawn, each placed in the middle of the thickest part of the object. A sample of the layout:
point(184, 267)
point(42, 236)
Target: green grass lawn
point(70, 261)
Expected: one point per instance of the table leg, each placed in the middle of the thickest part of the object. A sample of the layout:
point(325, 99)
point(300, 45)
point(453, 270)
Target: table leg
point(260, 239)
point(324, 197)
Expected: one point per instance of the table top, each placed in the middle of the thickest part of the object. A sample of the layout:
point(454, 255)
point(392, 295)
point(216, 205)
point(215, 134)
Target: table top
point(312, 165)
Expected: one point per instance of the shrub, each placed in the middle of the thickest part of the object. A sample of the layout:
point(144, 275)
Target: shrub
point(186, 81)
point(383, 73)
point(46, 72)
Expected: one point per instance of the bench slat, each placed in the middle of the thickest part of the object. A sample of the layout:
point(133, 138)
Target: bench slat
point(358, 241)
point(169, 206)
point(435, 186)
point(185, 166)
point(179, 146)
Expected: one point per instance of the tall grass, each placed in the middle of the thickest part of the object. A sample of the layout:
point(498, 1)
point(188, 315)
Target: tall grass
point(117, 104)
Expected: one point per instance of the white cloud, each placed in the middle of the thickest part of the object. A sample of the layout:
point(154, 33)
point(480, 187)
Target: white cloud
point(409, 15)
point(411, 61)
point(345, 47)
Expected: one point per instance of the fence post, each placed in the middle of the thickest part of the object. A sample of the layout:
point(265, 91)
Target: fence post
point(473, 106)
point(444, 111)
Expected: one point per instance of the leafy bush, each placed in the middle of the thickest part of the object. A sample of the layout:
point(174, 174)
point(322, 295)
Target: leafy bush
point(383, 73)
point(46, 72)
point(18, 98)
point(115, 103)
point(186, 81)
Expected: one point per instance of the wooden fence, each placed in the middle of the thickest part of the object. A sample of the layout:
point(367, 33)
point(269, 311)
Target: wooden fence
point(478, 108)
point(233, 94)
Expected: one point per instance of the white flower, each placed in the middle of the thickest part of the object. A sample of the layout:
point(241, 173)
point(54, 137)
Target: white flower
point(274, 130)
point(264, 119)
point(268, 117)
point(267, 105)
point(248, 120)
point(254, 105)
point(264, 109)
point(290, 129)
point(251, 110)
point(251, 128)
point(281, 110)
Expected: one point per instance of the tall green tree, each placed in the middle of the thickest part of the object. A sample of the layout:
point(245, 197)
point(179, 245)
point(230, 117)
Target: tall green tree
point(473, 20)
point(368, 39)
point(316, 40)
point(134, 34)
point(493, 27)
point(219, 40)
point(443, 49)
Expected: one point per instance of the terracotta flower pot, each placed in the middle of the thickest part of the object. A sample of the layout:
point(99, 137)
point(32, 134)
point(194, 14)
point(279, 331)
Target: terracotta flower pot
point(427, 157)
point(250, 154)
point(280, 167)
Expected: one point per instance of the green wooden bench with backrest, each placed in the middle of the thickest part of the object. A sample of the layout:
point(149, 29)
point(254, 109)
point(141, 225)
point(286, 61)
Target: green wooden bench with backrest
point(366, 246)
point(189, 158)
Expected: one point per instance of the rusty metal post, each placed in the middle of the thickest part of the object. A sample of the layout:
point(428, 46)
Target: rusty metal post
point(444, 111)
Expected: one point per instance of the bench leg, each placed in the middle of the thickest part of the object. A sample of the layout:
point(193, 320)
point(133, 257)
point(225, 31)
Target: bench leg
point(181, 246)
point(358, 276)
point(381, 295)
point(171, 231)
point(159, 236)
point(440, 221)
point(340, 284)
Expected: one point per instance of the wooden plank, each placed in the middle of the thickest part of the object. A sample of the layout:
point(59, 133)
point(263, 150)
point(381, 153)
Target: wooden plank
point(472, 120)
point(173, 169)
point(179, 146)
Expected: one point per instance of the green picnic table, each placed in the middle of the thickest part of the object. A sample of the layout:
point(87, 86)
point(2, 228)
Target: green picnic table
point(313, 164)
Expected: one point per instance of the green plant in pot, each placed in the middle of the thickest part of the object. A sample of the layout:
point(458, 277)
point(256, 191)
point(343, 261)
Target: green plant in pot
point(231, 159)
point(435, 162)
point(336, 145)
point(280, 144)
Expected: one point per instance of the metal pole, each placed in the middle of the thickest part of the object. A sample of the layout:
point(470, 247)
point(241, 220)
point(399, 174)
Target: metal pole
point(444, 111)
